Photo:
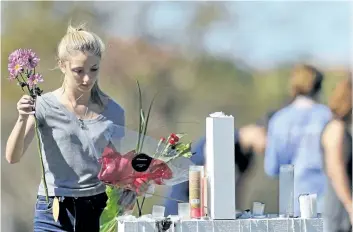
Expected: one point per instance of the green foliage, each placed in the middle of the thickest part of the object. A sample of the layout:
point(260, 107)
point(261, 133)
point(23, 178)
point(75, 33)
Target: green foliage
point(184, 149)
point(143, 120)
point(111, 211)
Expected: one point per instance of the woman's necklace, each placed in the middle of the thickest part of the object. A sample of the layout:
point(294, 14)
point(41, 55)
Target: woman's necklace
point(82, 125)
point(80, 119)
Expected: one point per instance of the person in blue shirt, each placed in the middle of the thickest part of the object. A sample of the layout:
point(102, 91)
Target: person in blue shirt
point(294, 135)
point(248, 140)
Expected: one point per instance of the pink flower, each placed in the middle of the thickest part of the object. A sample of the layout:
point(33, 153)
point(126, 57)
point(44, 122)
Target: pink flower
point(15, 68)
point(31, 58)
point(21, 59)
point(34, 79)
point(16, 63)
point(116, 169)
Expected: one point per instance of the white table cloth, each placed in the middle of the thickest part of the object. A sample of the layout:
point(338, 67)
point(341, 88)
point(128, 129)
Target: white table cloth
point(239, 225)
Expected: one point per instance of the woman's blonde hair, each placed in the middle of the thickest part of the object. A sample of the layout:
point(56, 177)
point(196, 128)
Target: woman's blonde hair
point(340, 101)
point(306, 80)
point(80, 39)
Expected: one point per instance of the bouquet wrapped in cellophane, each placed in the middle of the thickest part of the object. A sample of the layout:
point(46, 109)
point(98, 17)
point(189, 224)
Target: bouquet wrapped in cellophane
point(132, 159)
point(125, 168)
point(164, 162)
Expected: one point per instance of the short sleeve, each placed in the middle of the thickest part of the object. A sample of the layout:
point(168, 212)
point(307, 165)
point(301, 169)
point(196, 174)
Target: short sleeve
point(271, 162)
point(120, 121)
point(117, 116)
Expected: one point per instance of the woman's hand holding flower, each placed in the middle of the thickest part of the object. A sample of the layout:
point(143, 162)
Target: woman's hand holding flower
point(25, 107)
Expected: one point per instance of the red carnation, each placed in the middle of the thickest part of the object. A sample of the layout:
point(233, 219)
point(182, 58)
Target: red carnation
point(172, 141)
point(174, 137)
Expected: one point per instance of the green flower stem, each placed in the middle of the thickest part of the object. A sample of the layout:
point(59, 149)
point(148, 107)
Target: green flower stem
point(41, 161)
point(38, 143)
point(24, 81)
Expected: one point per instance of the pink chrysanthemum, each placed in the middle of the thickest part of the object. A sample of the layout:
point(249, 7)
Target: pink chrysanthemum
point(21, 59)
point(34, 79)
point(15, 68)
point(16, 64)
point(31, 58)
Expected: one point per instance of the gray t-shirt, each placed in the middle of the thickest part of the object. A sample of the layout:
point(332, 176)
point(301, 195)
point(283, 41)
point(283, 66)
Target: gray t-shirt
point(70, 152)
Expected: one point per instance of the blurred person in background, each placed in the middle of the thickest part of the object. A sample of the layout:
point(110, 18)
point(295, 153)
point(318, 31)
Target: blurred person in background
point(248, 141)
point(294, 134)
point(71, 118)
point(337, 146)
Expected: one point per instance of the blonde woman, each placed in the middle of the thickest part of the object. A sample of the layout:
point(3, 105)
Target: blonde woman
point(337, 146)
point(70, 119)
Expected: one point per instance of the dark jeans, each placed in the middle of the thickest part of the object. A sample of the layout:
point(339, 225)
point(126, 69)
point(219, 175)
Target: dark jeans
point(76, 214)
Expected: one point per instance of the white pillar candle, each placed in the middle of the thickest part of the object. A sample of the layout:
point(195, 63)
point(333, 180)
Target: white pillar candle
point(220, 166)
point(308, 207)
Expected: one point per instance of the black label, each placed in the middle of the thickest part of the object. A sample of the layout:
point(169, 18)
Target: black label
point(141, 162)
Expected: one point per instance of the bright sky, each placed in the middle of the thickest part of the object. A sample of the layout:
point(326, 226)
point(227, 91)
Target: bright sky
point(263, 32)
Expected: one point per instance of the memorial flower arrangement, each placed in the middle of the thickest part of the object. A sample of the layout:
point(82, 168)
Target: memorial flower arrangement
point(132, 159)
point(22, 64)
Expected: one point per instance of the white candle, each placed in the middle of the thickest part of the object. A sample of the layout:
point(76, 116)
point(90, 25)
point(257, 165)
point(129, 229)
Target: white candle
point(308, 207)
point(258, 208)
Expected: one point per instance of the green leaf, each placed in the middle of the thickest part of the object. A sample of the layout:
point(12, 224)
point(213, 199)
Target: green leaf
point(182, 147)
point(184, 151)
point(140, 119)
point(111, 211)
point(187, 155)
point(147, 119)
